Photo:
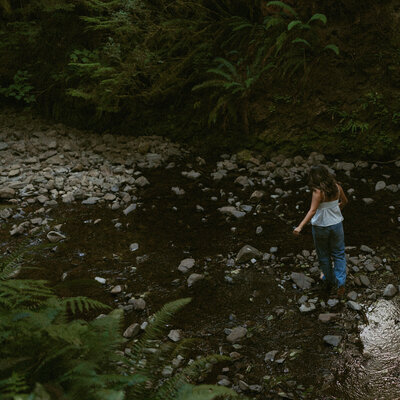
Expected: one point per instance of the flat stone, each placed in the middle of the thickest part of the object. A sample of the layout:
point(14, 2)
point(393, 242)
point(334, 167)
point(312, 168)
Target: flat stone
point(186, 265)
point(131, 331)
point(302, 281)
point(247, 252)
point(368, 200)
point(327, 317)
point(307, 307)
point(353, 305)
point(366, 249)
point(390, 291)
point(109, 197)
point(237, 334)
point(91, 201)
point(230, 210)
point(193, 278)
point(333, 340)
point(7, 193)
point(100, 280)
point(130, 208)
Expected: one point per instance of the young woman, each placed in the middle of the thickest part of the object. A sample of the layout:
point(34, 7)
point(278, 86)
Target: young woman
point(326, 218)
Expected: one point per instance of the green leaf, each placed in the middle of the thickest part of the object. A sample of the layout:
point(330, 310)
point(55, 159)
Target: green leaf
point(293, 24)
point(318, 17)
point(300, 40)
point(332, 47)
point(282, 5)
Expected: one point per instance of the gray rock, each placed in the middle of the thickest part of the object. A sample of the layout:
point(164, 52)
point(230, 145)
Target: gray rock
point(380, 186)
point(301, 280)
point(248, 252)
point(193, 278)
point(138, 304)
point(131, 331)
point(333, 340)
point(237, 334)
point(230, 210)
point(133, 246)
point(353, 305)
point(352, 295)
point(186, 265)
point(366, 249)
point(91, 200)
point(393, 188)
point(367, 201)
point(302, 299)
point(307, 307)
point(273, 250)
point(259, 230)
point(364, 280)
point(116, 289)
point(390, 291)
point(327, 317)
point(109, 197)
point(257, 195)
point(3, 146)
point(191, 175)
point(7, 193)
point(333, 302)
point(178, 191)
point(141, 181)
point(270, 356)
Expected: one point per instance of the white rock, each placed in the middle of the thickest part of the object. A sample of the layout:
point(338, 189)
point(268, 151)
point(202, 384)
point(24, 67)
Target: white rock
point(100, 280)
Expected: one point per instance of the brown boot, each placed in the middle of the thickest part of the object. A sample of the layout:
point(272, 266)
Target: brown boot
point(340, 292)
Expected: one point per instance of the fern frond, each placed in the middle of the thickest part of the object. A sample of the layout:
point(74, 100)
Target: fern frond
point(13, 386)
point(83, 303)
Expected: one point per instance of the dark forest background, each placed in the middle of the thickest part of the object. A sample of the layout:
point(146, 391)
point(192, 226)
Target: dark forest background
point(288, 77)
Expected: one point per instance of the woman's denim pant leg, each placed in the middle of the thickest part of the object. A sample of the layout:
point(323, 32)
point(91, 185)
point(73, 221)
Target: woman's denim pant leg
point(329, 243)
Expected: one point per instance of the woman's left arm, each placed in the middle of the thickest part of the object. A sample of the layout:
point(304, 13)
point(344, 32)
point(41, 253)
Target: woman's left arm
point(315, 201)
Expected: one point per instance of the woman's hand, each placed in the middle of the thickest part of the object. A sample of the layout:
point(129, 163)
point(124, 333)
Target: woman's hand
point(296, 231)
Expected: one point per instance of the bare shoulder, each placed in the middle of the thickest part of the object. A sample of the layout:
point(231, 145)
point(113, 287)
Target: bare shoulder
point(317, 193)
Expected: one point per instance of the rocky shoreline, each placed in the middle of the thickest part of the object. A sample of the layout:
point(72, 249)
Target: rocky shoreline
point(46, 166)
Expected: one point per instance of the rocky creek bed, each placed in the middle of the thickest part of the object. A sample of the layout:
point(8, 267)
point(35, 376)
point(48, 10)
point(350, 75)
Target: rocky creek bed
point(137, 222)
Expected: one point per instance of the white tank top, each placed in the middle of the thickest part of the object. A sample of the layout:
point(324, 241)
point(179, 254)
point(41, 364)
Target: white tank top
point(328, 213)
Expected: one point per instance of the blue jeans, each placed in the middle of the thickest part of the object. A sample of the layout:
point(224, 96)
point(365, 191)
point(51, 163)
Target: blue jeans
point(329, 243)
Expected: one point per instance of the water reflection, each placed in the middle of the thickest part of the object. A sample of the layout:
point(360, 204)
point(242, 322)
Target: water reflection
point(377, 375)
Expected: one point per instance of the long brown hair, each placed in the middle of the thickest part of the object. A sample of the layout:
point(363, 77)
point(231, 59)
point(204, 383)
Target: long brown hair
point(320, 178)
